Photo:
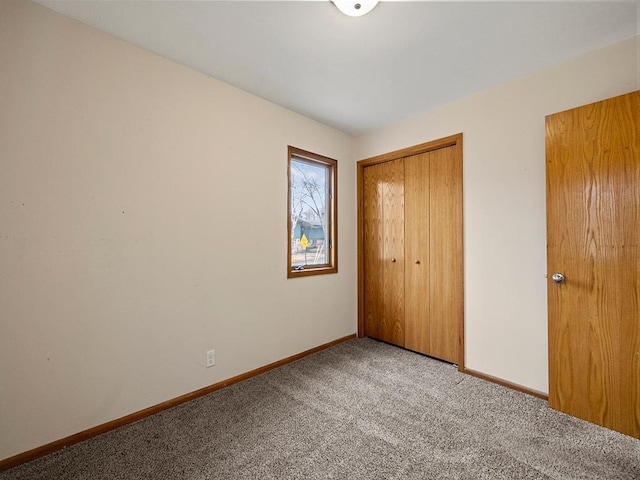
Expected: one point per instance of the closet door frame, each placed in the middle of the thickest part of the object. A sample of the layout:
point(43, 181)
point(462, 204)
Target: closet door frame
point(451, 141)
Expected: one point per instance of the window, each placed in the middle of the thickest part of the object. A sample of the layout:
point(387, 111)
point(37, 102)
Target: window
point(312, 219)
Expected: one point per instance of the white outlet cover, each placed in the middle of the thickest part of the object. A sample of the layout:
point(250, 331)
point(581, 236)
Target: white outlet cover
point(211, 358)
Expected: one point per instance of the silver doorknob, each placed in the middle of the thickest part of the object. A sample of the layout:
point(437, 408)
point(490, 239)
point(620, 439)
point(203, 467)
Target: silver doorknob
point(557, 277)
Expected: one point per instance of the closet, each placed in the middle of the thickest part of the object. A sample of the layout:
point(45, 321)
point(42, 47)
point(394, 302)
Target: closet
point(410, 249)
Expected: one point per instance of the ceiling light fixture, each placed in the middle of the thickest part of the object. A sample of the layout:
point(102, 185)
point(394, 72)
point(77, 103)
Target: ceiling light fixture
point(355, 9)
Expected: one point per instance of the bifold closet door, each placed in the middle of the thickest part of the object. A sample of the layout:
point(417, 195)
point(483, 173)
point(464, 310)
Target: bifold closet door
point(413, 294)
point(433, 246)
point(383, 198)
point(417, 266)
point(445, 254)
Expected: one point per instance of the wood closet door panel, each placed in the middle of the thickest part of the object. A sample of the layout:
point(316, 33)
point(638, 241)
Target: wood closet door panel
point(417, 331)
point(445, 248)
point(383, 192)
point(372, 192)
point(393, 260)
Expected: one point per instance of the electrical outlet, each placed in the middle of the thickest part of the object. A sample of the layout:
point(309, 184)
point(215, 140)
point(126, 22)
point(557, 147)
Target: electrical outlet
point(211, 358)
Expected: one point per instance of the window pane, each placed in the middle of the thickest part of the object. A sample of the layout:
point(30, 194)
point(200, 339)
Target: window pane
point(310, 190)
point(312, 214)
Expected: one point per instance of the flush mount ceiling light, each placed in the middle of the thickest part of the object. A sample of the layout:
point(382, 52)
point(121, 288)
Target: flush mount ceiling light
point(355, 9)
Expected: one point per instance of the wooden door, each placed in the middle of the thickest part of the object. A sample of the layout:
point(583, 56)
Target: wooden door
point(372, 194)
point(445, 247)
point(593, 229)
point(433, 247)
point(383, 195)
point(417, 263)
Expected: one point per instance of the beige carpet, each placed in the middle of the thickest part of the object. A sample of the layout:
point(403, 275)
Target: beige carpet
point(361, 410)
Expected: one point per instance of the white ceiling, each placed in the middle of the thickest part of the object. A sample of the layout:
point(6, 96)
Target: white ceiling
point(359, 74)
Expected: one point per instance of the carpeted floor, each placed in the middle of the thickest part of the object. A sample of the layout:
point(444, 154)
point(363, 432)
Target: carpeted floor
point(361, 410)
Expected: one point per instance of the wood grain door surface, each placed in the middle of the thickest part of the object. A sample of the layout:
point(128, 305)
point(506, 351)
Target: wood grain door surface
point(593, 230)
point(413, 295)
point(383, 195)
point(445, 246)
point(417, 209)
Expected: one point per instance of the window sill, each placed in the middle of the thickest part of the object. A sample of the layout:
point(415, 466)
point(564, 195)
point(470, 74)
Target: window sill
point(308, 271)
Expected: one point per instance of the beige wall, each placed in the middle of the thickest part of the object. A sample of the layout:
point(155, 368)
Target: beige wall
point(142, 222)
point(504, 200)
